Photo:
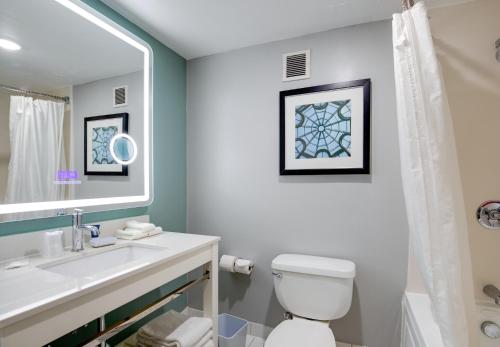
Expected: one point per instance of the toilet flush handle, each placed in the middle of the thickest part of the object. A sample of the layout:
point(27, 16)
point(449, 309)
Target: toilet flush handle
point(277, 274)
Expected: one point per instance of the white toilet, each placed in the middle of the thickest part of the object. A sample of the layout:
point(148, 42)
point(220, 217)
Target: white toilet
point(315, 290)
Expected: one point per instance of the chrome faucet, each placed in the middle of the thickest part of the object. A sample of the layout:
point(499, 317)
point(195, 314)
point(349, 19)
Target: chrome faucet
point(78, 228)
point(493, 292)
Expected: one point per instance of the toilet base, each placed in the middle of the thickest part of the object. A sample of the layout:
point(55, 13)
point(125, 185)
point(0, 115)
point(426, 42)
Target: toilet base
point(301, 332)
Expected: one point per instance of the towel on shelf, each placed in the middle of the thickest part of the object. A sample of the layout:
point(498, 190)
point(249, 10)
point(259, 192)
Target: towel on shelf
point(205, 339)
point(189, 333)
point(133, 224)
point(174, 329)
point(131, 341)
point(209, 343)
point(135, 234)
point(150, 341)
point(163, 325)
point(140, 342)
point(134, 342)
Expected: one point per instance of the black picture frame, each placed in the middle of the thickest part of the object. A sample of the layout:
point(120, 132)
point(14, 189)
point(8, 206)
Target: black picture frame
point(87, 120)
point(365, 84)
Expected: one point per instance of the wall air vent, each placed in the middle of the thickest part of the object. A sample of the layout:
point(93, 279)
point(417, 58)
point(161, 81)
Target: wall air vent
point(120, 96)
point(297, 65)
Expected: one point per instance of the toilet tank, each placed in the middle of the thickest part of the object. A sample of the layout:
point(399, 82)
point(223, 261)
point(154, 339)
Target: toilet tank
point(313, 287)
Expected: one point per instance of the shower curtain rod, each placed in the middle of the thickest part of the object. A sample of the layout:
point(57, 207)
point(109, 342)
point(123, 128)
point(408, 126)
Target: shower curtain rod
point(24, 91)
point(407, 4)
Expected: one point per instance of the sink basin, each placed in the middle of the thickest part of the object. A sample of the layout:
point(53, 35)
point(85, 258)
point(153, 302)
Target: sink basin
point(88, 265)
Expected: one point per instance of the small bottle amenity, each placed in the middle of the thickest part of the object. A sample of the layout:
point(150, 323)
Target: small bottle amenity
point(52, 246)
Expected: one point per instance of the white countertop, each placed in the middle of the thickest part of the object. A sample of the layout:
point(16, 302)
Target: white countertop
point(31, 289)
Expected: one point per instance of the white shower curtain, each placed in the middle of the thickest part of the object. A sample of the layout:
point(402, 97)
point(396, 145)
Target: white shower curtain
point(37, 150)
point(431, 179)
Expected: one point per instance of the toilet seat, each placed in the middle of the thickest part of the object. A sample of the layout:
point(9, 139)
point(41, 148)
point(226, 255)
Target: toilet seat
point(299, 332)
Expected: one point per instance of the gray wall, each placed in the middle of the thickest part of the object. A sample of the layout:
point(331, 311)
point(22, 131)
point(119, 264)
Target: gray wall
point(96, 99)
point(234, 189)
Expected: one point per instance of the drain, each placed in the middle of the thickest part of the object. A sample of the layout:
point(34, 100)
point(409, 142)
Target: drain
point(490, 329)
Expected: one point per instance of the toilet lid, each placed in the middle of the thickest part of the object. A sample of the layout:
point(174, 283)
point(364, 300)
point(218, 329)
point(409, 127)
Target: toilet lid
point(301, 333)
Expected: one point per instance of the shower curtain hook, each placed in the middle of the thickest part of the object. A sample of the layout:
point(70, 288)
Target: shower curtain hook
point(407, 4)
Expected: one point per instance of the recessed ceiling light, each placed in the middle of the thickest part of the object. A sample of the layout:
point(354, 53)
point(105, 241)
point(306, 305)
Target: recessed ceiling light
point(9, 45)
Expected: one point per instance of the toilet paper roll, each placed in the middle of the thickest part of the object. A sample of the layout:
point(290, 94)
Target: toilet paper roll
point(243, 266)
point(227, 263)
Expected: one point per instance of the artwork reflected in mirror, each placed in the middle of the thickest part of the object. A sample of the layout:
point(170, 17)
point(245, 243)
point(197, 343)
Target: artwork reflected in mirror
point(98, 133)
point(62, 104)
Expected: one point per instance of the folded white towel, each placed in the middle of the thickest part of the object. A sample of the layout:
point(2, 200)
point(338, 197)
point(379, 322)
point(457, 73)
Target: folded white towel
point(133, 224)
point(128, 234)
point(174, 329)
point(135, 234)
point(147, 341)
point(155, 231)
point(189, 333)
point(135, 341)
point(206, 338)
point(144, 342)
point(130, 341)
point(155, 331)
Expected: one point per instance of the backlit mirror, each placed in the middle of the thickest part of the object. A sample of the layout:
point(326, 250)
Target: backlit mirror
point(74, 111)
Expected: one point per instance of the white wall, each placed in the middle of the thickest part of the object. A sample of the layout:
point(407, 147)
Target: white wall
point(464, 36)
point(96, 99)
point(235, 191)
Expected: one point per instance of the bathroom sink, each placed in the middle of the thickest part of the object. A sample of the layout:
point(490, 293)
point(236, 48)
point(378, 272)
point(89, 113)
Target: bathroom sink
point(88, 265)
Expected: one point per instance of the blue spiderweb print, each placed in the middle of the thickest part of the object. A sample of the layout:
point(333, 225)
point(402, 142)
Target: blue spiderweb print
point(101, 137)
point(323, 130)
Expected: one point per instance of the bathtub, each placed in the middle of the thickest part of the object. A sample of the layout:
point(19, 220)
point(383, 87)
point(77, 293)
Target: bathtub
point(419, 329)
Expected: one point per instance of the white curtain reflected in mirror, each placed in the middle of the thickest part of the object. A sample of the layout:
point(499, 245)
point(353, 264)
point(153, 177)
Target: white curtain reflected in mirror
point(37, 150)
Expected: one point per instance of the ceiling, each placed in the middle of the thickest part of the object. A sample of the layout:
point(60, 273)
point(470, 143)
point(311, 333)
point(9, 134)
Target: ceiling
point(195, 28)
point(59, 48)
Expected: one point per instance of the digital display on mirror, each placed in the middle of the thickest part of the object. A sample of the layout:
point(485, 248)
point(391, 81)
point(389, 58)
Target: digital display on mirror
point(67, 177)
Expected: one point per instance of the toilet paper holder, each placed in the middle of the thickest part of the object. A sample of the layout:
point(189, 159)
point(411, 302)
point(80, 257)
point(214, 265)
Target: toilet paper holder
point(233, 264)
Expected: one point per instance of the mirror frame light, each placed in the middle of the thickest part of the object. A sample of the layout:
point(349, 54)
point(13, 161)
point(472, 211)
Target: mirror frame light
point(105, 23)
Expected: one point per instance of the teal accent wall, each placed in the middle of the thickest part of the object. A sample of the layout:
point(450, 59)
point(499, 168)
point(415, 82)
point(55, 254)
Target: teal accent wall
point(169, 146)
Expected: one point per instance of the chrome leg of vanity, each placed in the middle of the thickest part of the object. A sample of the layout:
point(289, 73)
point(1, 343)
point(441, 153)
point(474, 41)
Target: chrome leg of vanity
point(102, 327)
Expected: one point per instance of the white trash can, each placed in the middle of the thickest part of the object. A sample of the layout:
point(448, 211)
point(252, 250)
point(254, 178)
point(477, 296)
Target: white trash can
point(232, 331)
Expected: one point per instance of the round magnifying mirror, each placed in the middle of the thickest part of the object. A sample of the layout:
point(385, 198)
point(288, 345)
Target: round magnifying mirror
point(123, 149)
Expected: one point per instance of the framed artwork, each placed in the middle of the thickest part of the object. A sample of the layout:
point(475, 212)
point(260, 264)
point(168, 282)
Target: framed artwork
point(325, 130)
point(98, 132)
